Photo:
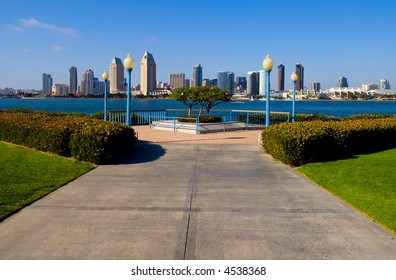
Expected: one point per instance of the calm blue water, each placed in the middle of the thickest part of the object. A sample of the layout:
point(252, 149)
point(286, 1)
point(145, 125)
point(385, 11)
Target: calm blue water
point(90, 106)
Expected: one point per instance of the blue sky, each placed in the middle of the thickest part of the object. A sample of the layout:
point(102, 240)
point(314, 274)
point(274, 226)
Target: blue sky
point(355, 39)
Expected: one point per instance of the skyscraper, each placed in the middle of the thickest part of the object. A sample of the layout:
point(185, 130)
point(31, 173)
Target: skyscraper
point(241, 82)
point(73, 80)
point(342, 82)
point(225, 80)
point(47, 83)
point(197, 76)
point(300, 74)
point(86, 85)
point(281, 77)
point(315, 86)
point(116, 76)
point(177, 80)
point(252, 82)
point(384, 84)
point(148, 74)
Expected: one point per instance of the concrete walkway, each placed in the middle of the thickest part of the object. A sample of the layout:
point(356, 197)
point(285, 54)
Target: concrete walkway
point(193, 201)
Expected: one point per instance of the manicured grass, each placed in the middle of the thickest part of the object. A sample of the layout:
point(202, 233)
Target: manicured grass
point(27, 175)
point(367, 182)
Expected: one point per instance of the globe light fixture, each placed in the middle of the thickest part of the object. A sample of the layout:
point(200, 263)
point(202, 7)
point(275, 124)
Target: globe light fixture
point(105, 77)
point(129, 64)
point(294, 78)
point(268, 63)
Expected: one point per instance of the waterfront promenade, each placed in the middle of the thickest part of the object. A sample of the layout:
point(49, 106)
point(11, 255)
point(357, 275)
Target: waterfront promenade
point(183, 196)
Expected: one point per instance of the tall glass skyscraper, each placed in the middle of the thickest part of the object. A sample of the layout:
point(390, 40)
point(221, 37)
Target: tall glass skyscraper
point(197, 76)
point(281, 77)
point(252, 82)
point(342, 82)
point(225, 80)
point(47, 83)
point(116, 76)
point(73, 80)
point(148, 74)
point(300, 74)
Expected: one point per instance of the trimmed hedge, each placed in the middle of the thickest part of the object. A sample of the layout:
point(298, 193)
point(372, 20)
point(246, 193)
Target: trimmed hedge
point(81, 137)
point(202, 119)
point(303, 142)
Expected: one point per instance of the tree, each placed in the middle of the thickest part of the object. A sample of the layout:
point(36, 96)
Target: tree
point(210, 96)
point(187, 96)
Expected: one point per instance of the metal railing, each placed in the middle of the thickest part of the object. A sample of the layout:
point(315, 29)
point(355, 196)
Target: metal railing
point(249, 118)
point(172, 122)
point(137, 117)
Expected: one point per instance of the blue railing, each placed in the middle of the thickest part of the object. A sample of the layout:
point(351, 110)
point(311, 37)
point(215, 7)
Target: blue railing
point(247, 117)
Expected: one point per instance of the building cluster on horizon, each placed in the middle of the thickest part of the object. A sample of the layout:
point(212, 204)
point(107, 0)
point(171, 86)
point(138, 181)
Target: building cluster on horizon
point(251, 85)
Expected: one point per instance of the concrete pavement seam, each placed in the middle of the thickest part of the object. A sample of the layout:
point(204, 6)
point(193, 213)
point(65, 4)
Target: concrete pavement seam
point(191, 200)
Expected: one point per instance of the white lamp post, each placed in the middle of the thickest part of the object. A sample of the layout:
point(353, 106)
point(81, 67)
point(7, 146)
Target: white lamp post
point(267, 65)
point(129, 63)
point(105, 77)
point(294, 78)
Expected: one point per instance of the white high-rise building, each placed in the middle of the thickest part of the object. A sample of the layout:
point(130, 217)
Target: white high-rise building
point(86, 85)
point(384, 84)
point(116, 76)
point(148, 74)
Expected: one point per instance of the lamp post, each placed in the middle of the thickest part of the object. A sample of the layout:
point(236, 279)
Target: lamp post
point(294, 78)
point(267, 65)
point(129, 63)
point(105, 77)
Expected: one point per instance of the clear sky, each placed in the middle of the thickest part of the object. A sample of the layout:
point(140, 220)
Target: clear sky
point(330, 38)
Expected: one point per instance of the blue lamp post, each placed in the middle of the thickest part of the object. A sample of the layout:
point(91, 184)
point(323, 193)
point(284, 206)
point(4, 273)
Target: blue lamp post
point(294, 78)
point(105, 77)
point(267, 65)
point(129, 63)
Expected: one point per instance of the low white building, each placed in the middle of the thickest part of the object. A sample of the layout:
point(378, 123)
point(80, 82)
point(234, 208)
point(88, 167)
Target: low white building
point(60, 90)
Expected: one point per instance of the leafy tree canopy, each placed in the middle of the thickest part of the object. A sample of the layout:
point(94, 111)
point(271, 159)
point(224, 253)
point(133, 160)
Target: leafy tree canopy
point(207, 96)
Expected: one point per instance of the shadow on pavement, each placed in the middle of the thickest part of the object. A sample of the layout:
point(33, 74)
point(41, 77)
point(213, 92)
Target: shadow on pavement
point(142, 152)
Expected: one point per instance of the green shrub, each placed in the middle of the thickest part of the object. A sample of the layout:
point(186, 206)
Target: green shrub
point(66, 134)
point(102, 142)
point(202, 119)
point(315, 117)
point(370, 116)
point(303, 142)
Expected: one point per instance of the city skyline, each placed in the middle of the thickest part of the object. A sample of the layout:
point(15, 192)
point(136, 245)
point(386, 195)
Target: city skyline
point(330, 39)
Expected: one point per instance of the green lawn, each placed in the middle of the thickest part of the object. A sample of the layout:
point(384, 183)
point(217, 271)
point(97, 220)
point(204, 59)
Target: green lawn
point(27, 175)
point(367, 182)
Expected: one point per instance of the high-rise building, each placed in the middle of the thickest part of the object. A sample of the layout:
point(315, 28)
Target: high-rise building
point(177, 80)
point(197, 76)
point(86, 85)
point(116, 76)
point(148, 74)
point(225, 80)
point(315, 86)
point(47, 83)
point(300, 73)
point(73, 80)
point(384, 84)
point(262, 82)
point(342, 82)
point(241, 82)
point(252, 82)
point(281, 77)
